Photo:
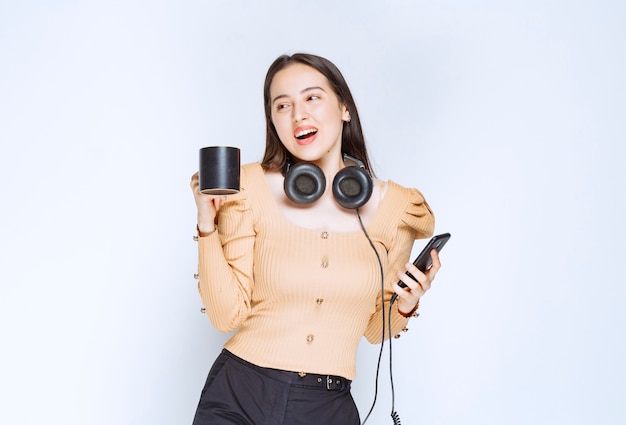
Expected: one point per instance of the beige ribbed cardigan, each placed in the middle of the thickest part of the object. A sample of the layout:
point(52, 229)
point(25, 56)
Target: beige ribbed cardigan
point(301, 299)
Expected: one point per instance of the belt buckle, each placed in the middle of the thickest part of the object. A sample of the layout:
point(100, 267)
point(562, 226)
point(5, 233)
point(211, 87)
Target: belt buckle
point(329, 383)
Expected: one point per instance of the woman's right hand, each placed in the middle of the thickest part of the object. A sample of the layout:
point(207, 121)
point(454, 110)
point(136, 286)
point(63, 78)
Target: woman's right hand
point(208, 206)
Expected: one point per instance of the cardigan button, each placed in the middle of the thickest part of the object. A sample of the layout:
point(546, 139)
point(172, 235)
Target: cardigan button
point(310, 338)
point(324, 263)
point(319, 301)
point(324, 235)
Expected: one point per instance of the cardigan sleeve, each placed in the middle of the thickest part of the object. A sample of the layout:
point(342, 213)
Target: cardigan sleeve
point(225, 264)
point(416, 221)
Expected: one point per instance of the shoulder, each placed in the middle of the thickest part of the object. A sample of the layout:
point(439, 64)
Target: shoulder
point(402, 194)
point(253, 187)
point(252, 177)
point(411, 208)
point(251, 170)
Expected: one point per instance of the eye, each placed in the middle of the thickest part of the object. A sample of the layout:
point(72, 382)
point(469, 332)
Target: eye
point(282, 106)
point(313, 97)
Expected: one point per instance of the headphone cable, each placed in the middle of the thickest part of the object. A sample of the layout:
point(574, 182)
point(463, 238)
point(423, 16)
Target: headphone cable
point(394, 414)
point(382, 297)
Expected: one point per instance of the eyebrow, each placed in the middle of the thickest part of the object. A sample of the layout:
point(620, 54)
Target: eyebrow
point(280, 96)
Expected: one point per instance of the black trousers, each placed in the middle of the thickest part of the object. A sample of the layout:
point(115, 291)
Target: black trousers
point(240, 393)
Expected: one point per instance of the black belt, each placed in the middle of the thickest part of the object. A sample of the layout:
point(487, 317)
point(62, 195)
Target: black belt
point(328, 382)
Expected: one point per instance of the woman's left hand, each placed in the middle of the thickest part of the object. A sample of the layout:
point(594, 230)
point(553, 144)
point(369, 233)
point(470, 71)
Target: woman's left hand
point(409, 297)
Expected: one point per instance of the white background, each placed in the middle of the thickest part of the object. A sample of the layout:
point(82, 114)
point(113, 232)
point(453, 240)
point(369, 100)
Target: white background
point(508, 115)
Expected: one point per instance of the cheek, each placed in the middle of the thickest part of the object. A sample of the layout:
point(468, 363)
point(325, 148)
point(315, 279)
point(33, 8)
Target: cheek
point(283, 128)
point(281, 124)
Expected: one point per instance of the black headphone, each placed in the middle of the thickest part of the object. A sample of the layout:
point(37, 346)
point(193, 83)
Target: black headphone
point(305, 183)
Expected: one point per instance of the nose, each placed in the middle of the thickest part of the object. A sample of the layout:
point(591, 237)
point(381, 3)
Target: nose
point(299, 112)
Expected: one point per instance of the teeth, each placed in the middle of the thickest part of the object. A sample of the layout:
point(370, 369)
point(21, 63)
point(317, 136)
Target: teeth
point(304, 133)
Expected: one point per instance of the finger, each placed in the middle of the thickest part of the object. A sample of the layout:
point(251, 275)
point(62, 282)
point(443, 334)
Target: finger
point(432, 271)
point(194, 183)
point(414, 287)
point(423, 279)
point(417, 274)
point(407, 300)
point(408, 281)
point(218, 201)
point(436, 261)
point(407, 294)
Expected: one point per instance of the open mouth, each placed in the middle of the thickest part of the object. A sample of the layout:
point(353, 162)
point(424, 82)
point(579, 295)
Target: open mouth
point(305, 133)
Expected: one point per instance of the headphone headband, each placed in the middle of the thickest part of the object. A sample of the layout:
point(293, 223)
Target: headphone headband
point(357, 161)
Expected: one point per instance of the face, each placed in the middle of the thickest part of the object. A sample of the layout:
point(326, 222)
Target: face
point(307, 114)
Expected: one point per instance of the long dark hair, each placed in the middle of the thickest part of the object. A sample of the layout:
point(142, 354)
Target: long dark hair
point(276, 156)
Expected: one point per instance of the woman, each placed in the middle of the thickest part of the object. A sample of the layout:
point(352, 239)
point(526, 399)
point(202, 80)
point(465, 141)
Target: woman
point(300, 282)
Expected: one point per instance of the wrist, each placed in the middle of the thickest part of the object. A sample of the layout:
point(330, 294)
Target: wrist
point(205, 230)
point(412, 313)
point(206, 224)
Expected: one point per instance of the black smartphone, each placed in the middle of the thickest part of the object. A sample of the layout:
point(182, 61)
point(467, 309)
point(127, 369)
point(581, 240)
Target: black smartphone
point(424, 260)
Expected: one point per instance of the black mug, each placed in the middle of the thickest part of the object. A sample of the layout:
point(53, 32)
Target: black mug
point(219, 170)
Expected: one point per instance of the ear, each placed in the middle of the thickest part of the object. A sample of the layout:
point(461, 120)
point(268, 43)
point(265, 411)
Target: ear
point(345, 114)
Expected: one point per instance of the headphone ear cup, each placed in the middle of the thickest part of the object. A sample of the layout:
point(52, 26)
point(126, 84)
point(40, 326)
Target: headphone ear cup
point(352, 187)
point(304, 183)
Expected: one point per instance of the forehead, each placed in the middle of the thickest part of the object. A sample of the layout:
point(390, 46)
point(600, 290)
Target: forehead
point(295, 78)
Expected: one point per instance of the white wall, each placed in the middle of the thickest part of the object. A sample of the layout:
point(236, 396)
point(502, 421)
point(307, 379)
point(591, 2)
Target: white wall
point(509, 116)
